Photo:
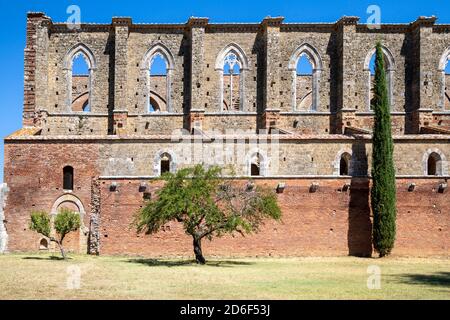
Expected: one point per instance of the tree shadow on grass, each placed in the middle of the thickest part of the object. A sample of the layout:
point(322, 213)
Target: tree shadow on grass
point(180, 263)
point(435, 279)
point(45, 258)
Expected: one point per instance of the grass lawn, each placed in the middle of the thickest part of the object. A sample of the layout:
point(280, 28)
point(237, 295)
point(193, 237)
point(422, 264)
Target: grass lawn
point(39, 276)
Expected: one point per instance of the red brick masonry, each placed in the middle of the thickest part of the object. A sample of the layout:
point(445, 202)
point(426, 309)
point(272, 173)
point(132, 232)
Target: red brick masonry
point(329, 221)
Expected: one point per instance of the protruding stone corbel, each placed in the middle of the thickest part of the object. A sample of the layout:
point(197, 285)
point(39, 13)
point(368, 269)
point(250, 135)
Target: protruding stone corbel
point(122, 21)
point(120, 118)
point(423, 21)
point(196, 118)
point(270, 119)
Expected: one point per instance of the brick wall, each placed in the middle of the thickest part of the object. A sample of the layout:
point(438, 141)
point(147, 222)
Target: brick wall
point(35, 172)
point(119, 137)
point(328, 222)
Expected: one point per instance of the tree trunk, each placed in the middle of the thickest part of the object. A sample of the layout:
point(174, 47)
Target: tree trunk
point(198, 251)
point(63, 253)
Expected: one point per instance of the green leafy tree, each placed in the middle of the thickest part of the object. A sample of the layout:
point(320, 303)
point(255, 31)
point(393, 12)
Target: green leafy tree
point(383, 193)
point(65, 221)
point(207, 205)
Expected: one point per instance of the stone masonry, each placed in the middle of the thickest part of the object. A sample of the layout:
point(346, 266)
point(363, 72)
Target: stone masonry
point(310, 132)
point(3, 233)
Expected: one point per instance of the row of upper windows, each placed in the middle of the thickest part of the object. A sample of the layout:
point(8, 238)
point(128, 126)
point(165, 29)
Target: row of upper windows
point(434, 166)
point(232, 63)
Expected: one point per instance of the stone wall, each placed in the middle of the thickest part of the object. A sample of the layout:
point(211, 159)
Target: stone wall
point(282, 157)
point(320, 117)
point(330, 221)
point(3, 231)
point(119, 56)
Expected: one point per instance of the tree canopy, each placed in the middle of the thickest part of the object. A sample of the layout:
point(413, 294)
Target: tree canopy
point(207, 205)
point(65, 222)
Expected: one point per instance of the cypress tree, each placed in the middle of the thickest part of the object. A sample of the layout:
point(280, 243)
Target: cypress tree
point(383, 193)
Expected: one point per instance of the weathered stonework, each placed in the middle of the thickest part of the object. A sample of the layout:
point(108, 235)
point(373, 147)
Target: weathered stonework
point(318, 121)
point(3, 232)
point(94, 232)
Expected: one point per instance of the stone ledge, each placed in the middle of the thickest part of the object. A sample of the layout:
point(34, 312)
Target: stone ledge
point(290, 137)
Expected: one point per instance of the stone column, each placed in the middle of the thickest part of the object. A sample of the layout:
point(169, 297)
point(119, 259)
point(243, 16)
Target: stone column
point(197, 33)
point(428, 74)
point(271, 31)
point(427, 78)
point(94, 228)
point(348, 73)
point(3, 233)
point(121, 31)
point(35, 66)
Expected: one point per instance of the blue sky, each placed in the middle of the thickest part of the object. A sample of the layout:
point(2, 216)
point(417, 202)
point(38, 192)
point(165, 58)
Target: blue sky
point(177, 11)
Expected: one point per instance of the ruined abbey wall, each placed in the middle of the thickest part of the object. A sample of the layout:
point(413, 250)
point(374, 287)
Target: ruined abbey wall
point(307, 124)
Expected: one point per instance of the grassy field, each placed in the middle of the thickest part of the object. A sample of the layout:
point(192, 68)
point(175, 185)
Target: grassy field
point(32, 276)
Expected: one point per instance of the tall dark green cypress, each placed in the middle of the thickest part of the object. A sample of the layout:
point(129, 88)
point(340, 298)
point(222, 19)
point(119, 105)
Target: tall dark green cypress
point(383, 193)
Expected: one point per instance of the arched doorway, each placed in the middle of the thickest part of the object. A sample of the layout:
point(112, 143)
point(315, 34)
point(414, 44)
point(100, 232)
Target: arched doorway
point(75, 241)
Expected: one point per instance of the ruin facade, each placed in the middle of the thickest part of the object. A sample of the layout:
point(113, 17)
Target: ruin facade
point(97, 142)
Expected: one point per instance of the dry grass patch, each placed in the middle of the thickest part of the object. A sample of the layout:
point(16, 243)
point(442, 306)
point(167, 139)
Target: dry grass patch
point(38, 276)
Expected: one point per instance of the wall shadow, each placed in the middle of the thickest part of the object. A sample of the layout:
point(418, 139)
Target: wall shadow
point(411, 82)
point(335, 83)
point(441, 279)
point(179, 263)
point(259, 50)
point(110, 51)
point(185, 52)
point(46, 258)
point(359, 236)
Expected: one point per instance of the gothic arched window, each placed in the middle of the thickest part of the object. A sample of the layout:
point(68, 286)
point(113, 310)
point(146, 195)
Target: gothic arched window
point(344, 165)
point(165, 163)
point(257, 165)
point(306, 67)
point(158, 83)
point(79, 65)
point(156, 77)
point(232, 64)
point(444, 68)
point(369, 69)
point(434, 164)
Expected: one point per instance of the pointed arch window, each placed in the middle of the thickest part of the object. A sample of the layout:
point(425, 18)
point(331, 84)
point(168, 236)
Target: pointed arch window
point(369, 69)
point(164, 162)
point(158, 83)
point(306, 68)
point(434, 164)
point(344, 165)
point(304, 85)
point(231, 83)
point(156, 74)
point(256, 165)
point(231, 63)
point(79, 66)
point(444, 68)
